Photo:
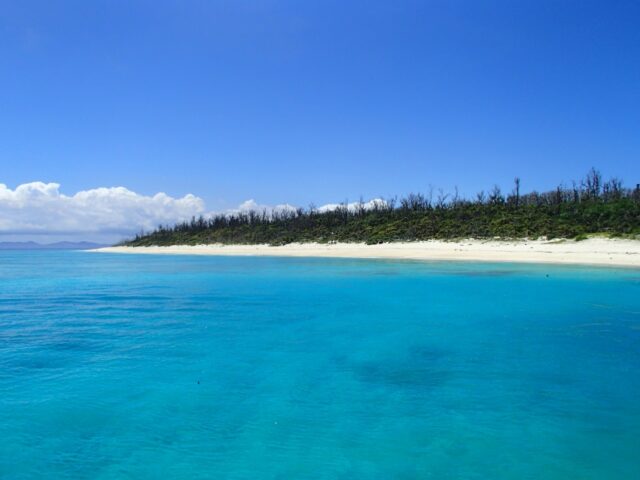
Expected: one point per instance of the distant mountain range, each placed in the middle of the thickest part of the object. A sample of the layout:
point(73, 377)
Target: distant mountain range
point(49, 246)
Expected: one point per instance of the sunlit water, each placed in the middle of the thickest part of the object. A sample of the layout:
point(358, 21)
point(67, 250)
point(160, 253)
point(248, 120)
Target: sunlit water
point(146, 367)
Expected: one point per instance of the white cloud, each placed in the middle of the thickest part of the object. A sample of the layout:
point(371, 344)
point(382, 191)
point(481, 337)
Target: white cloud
point(39, 208)
point(252, 205)
point(371, 204)
point(107, 215)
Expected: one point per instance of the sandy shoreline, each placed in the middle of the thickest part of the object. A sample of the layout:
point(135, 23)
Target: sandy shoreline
point(596, 251)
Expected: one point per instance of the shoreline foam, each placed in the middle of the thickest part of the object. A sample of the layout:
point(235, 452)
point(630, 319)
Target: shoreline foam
point(594, 251)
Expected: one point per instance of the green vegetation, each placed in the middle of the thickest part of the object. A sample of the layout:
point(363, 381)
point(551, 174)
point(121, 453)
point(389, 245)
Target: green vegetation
point(588, 207)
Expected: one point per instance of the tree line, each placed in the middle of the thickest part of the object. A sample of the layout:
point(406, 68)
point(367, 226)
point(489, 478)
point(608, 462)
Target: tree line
point(589, 206)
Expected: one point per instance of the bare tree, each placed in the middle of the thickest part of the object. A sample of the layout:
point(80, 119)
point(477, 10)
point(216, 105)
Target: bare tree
point(612, 189)
point(495, 197)
point(442, 198)
point(456, 196)
point(592, 183)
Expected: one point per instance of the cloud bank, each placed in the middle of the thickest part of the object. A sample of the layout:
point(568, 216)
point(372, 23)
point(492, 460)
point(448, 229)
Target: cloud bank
point(39, 208)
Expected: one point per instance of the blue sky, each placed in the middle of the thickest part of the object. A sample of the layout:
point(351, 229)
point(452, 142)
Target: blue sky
point(320, 102)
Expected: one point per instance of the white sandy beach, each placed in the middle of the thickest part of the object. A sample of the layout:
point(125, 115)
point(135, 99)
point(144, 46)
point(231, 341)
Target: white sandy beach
point(594, 251)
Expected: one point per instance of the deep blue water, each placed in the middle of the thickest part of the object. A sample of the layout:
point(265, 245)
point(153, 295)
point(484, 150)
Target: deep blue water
point(146, 367)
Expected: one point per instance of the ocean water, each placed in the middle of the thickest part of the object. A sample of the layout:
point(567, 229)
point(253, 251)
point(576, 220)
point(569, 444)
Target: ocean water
point(147, 367)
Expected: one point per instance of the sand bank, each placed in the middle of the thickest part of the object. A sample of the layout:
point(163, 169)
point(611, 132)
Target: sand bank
point(595, 251)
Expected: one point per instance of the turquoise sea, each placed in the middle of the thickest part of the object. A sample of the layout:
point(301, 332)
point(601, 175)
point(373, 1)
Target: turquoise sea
point(148, 367)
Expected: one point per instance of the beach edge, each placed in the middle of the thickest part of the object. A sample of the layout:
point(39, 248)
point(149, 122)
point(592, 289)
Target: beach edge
point(594, 251)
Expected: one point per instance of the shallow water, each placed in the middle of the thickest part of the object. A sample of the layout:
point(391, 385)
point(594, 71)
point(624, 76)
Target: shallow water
point(134, 366)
